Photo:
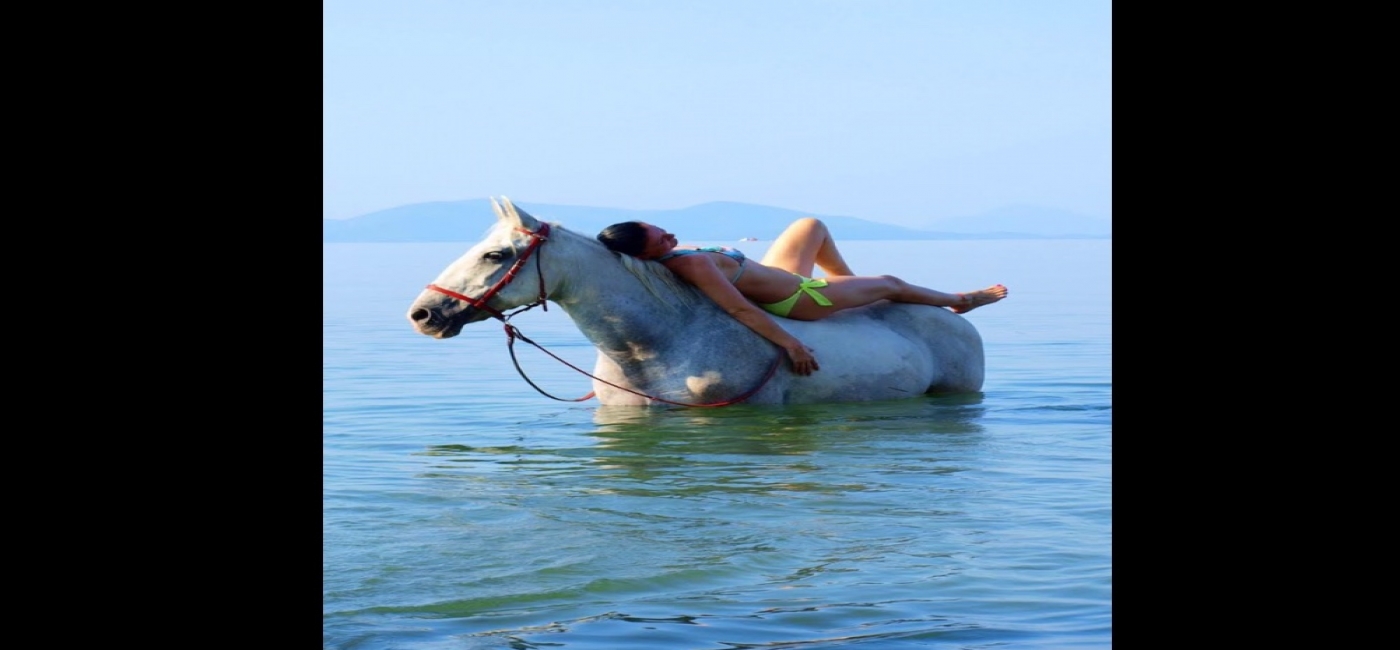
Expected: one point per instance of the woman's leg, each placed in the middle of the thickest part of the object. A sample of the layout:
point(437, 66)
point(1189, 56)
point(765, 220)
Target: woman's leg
point(845, 292)
point(804, 243)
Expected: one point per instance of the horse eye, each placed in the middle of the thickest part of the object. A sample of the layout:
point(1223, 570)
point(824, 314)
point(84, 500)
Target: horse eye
point(494, 256)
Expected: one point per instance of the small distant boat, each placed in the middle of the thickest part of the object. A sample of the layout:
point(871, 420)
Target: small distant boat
point(748, 239)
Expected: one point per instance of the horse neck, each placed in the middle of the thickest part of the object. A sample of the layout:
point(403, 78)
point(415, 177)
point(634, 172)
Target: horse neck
point(616, 311)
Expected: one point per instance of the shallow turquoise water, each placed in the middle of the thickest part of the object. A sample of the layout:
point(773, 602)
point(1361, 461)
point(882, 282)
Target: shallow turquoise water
point(462, 509)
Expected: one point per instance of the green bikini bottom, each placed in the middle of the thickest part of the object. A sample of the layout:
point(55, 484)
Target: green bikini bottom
point(809, 287)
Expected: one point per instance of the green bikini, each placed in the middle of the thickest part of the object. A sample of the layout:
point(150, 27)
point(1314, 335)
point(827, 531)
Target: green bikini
point(783, 307)
point(809, 286)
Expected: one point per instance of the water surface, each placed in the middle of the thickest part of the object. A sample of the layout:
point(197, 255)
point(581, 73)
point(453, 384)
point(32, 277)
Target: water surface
point(462, 509)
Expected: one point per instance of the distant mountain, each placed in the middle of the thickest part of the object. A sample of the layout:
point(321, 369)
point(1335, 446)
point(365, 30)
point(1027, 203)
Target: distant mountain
point(1029, 220)
point(465, 221)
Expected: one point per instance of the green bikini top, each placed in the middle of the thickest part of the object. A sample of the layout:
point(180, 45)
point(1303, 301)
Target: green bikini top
point(732, 253)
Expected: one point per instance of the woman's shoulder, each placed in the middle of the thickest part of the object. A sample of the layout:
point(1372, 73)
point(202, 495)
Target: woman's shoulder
point(688, 265)
point(689, 250)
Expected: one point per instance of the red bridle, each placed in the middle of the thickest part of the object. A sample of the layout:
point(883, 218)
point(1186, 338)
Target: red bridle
point(537, 237)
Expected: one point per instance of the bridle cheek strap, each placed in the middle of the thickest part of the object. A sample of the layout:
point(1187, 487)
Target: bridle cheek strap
point(537, 237)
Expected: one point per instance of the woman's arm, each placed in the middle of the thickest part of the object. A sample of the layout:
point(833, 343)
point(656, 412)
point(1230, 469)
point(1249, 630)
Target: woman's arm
point(701, 271)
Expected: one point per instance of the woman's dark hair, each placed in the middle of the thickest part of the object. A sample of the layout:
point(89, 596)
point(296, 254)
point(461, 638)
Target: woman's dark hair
point(628, 238)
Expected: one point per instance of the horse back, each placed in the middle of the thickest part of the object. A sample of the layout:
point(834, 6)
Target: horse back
point(887, 350)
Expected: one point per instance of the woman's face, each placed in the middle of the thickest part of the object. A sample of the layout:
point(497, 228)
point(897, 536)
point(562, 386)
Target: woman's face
point(659, 242)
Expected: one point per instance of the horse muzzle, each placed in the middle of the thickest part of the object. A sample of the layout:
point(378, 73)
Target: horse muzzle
point(444, 321)
point(433, 323)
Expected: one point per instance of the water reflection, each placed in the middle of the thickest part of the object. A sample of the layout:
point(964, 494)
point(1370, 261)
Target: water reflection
point(736, 449)
point(785, 429)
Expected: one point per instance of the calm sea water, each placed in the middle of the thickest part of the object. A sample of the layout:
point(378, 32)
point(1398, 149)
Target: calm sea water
point(464, 510)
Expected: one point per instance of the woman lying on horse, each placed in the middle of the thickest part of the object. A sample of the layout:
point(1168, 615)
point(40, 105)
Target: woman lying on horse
point(782, 283)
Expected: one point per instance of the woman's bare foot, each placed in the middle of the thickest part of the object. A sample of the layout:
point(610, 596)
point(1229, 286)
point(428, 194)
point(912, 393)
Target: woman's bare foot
point(974, 299)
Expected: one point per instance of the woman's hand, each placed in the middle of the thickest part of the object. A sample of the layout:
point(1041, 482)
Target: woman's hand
point(701, 271)
point(803, 363)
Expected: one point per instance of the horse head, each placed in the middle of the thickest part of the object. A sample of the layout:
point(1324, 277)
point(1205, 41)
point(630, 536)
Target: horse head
point(498, 273)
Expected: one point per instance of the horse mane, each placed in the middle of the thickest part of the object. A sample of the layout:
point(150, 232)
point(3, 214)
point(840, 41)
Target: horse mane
point(659, 281)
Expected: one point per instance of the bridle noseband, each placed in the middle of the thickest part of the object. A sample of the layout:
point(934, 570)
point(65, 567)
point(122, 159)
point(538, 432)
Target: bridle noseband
point(537, 237)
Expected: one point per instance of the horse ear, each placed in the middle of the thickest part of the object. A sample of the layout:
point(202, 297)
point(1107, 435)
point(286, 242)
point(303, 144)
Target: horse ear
point(511, 212)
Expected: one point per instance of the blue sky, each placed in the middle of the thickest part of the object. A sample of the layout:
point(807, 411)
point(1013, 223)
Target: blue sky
point(897, 111)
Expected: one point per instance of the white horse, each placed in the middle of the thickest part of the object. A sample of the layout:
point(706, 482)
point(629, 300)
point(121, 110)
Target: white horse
point(661, 341)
